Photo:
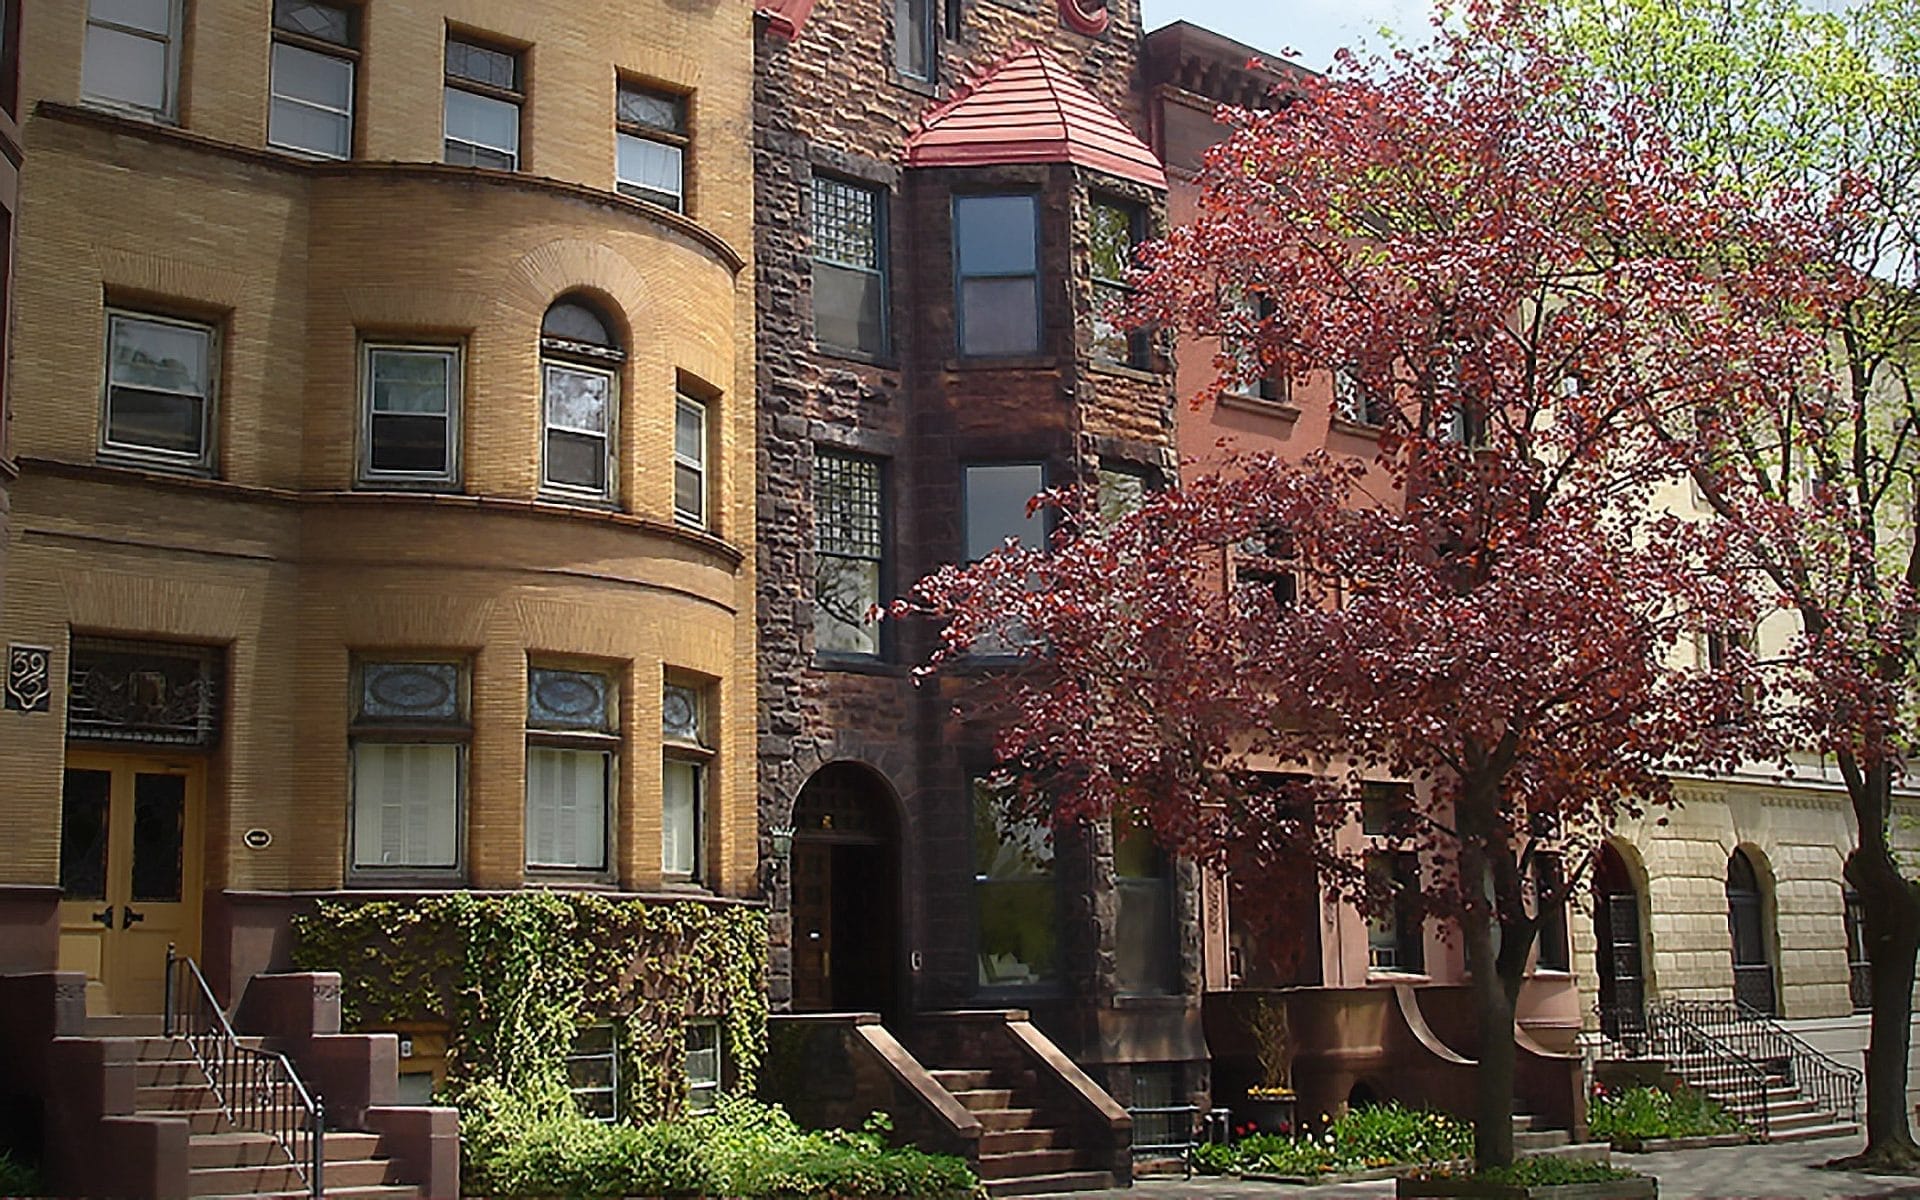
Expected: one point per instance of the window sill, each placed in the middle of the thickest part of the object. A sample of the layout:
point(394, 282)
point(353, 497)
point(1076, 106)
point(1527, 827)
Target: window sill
point(378, 879)
point(128, 461)
point(689, 888)
point(860, 666)
point(910, 83)
point(408, 487)
point(1280, 410)
point(560, 879)
point(1354, 428)
point(1555, 974)
point(1011, 362)
point(1388, 978)
point(1125, 371)
point(885, 362)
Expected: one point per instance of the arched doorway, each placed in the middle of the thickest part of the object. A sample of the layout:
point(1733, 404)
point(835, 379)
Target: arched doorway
point(1616, 933)
point(1747, 928)
point(846, 896)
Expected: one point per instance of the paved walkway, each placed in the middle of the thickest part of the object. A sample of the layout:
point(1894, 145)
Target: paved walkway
point(1784, 1172)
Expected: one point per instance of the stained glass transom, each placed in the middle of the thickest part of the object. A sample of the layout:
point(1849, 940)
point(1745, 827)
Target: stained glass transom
point(680, 713)
point(391, 691)
point(143, 692)
point(328, 22)
point(568, 700)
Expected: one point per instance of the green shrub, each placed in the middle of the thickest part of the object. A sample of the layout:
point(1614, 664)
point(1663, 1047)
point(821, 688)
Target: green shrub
point(1548, 1172)
point(1377, 1136)
point(521, 1147)
point(17, 1178)
point(1631, 1116)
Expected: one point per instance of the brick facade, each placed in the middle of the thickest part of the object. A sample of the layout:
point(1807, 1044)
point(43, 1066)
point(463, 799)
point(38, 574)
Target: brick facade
point(831, 101)
point(277, 555)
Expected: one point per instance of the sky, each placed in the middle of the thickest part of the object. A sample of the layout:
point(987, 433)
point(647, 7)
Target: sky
point(1313, 28)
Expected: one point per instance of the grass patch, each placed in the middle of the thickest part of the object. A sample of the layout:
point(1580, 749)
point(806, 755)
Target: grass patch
point(742, 1148)
point(17, 1178)
point(1629, 1117)
point(1381, 1135)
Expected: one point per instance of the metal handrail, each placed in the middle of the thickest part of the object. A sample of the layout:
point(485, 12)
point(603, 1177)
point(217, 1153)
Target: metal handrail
point(1673, 1035)
point(258, 1090)
point(1830, 1086)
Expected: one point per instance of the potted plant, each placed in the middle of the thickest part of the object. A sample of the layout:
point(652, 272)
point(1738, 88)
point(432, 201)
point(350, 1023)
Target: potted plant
point(1270, 1104)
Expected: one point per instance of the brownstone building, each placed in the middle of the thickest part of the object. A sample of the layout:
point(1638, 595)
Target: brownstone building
point(383, 414)
point(948, 194)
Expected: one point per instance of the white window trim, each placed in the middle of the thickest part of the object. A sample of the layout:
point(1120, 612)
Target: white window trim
point(701, 519)
point(718, 1083)
point(274, 96)
point(516, 97)
point(169, 111)
point(551, 488)
point(696, 752)
point(146, 455)
point(456, 390)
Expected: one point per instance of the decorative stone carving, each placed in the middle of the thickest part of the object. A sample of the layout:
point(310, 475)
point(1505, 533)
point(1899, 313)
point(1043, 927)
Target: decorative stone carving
point(29, 678)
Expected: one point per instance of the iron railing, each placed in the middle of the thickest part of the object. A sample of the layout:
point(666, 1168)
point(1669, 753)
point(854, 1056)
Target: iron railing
point(1709, 1064)
point(257, 1089)
point(1830, 1086)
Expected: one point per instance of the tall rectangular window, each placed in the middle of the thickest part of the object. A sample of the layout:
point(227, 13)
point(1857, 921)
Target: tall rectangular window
point(579, 402)
point(690, 462)
point(1554, 949)
point(650, 145)
point(593, 1073)
point(688, 756)
point(1116, 230)
point(483, 99)
point(997, 270)
point(1859, 966)
point(315, 48)
point(412, 415)
point(703, 1065)
point(409, 749)
point(1395, 936)
point(849, 530)
point(1146, 950)
point(573, 735)
point(849, 267)
point(1242, 316)
point(1354, 401)
point(1016, 904)
point(159, 393)
point(913, 34)
point(132, 55)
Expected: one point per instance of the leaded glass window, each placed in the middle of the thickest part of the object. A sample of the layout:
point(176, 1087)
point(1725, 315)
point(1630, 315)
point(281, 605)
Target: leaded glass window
point(314, 57)
point(483, 101)
point(849, 549)
point(409, 748)
point(687, 752)
point(849, 273)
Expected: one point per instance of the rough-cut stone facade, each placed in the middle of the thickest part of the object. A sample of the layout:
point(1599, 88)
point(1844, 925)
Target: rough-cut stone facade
point(830, 100)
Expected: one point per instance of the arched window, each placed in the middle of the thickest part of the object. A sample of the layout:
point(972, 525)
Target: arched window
point(580, 358)
point(1616, 930)
point(1747, 926)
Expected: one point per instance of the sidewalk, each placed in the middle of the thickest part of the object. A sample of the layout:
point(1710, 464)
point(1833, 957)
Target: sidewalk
point(1784, 1172)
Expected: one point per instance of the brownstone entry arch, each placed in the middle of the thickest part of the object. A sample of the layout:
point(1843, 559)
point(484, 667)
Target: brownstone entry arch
point(846, 893)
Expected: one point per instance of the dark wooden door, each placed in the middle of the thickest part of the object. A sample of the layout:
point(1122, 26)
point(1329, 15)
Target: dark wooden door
point(812, 926)
point(1622, 975)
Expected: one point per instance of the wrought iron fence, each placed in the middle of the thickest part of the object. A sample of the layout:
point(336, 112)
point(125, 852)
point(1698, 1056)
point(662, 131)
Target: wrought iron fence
point(1828, 1085)
point(257, 1089)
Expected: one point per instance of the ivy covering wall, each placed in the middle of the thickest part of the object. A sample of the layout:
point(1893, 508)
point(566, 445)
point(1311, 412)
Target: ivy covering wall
point(516, 976)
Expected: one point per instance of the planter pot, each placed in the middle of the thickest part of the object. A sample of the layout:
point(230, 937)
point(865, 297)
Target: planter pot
point(1271, 1114)
point(1643, 1187)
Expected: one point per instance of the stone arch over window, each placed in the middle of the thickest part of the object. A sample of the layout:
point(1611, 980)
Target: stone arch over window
point(1751, 930)
point(582, 351)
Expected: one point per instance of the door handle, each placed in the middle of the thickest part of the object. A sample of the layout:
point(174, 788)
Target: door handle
point(128, 916)
point(104, 916)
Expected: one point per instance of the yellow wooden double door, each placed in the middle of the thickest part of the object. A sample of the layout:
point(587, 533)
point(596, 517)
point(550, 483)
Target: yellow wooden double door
point(130, 873)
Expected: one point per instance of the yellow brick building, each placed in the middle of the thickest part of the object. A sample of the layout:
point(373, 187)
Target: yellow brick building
point(384, 431)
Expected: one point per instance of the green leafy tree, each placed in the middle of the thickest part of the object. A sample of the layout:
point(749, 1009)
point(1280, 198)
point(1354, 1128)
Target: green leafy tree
point(1817, 114)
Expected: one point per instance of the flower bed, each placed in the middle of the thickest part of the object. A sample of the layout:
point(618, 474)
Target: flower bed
point(1379, 1136)
point(741, 1149)
point(1635, 1117)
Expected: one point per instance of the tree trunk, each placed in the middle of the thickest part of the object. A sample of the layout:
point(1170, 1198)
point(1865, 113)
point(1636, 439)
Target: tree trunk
point(1890, 911)
point(1493, 1077)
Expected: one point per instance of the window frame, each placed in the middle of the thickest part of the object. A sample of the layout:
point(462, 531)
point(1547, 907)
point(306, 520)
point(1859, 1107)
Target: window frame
point(348, 52)
point(680, 139)
point(202, 462)
point(1553, 941)
point(515, 95)
point(604, 741)
point(169, 110)
point(696, 753)
point(1853, 920)
point(449, 479)
point(880, 558)
point(881, 271)
point(713, 1088)
point(702, 520)
point(1408, 925)
point(1354, 402)
point(456, 731)
point(610, 1056)
point(930, 41)
point(1136, 218)
point(979, 784)
point(961, 277)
